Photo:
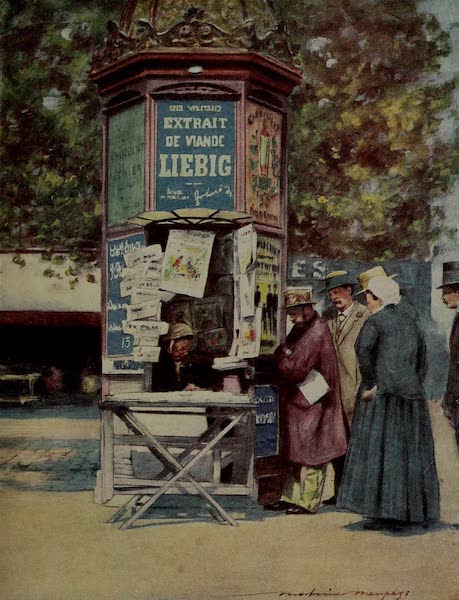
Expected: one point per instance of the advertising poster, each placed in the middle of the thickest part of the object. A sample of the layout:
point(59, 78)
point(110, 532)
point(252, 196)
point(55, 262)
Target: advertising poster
point(250, 336)
point(118, 343)
point(126, 158)
point(186, 262)
point(195, 154)
point(268, 289)
point(263, 164)
point(266, 398)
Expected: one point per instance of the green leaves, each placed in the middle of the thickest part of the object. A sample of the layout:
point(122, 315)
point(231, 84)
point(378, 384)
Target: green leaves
point(365, 167)
point(50, 123)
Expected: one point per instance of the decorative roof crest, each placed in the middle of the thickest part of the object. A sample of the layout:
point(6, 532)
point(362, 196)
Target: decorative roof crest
point(195, 29)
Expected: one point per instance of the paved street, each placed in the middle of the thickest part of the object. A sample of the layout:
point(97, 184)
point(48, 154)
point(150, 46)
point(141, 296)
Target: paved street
point(56, 543)
point(50, 449)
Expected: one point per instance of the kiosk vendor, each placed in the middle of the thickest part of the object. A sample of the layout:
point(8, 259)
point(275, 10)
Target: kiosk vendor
point(174, 371)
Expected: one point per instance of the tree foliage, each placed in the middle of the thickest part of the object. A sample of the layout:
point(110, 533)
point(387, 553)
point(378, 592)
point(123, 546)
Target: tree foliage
point(50, 151)
point(366, 165)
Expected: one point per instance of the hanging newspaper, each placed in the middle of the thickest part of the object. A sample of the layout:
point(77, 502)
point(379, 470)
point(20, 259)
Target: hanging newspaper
point(147, 354)
point(250, 336)
point(143, 256)
point(245, 246)
point(156, 328)
point(246, 293)
point(186, 262)
point(151, 308)
point(245, 253)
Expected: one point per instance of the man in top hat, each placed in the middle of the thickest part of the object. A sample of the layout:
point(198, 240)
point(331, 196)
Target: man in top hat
point(405, 304)
point(314, 430)
point(345, 320)
point(450, 297)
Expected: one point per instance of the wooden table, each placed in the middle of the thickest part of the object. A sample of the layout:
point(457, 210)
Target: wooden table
point(223, 410)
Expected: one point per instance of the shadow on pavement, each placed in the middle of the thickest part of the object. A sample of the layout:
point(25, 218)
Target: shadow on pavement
point(175, 510)
point(407, 531)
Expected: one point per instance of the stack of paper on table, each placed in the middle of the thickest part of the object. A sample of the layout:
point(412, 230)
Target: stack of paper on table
point(227, 363)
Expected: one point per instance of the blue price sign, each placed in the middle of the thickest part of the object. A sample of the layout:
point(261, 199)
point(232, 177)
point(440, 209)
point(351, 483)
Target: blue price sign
point(195, 154)
point(118, 343)
point(266, 397)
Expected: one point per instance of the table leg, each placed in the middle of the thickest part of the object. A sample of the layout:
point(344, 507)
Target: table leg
point(206, 434)
point(132, 502)
point(243, 458)
point(106, 455)
point(138, 427)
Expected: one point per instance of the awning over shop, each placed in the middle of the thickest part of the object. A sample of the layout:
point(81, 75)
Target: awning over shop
point(192, 216)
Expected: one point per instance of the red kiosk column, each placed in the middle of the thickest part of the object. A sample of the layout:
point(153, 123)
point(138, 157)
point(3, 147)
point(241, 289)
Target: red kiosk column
point(194, 139)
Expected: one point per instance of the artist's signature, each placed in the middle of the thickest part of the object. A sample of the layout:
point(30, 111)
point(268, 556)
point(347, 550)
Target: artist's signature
point(315, 593)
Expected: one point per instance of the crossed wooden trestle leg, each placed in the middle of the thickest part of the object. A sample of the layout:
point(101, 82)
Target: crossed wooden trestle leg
point(172, 464)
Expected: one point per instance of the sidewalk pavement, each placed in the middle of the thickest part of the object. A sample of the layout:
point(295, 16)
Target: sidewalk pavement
point(49, 449)
point(56, 543)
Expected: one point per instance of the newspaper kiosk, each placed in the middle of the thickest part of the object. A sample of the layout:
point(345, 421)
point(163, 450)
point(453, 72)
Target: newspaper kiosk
point(194, 192)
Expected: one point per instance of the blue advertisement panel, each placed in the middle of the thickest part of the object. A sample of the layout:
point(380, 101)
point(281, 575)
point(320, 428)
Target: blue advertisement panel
point(195, 154)
point(266, 398)
point(119, 343)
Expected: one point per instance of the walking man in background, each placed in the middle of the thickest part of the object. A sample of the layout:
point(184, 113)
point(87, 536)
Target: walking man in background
point(314, 430)
point(345, 319)
point(450, 297)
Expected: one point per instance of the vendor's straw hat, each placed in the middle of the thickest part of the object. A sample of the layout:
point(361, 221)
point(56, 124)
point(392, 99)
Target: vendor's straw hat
point(365, 277)
point(338, 279)
point(450, 274)
point(178, 330)
point(298, 297)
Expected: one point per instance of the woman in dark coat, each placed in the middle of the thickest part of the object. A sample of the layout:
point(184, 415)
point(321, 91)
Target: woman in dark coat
point(390, 473)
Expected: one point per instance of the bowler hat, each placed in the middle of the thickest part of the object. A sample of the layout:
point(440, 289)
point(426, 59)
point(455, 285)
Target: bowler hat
point(338, 279)
point(365, 277)
point(298, 297)
point(450, 274)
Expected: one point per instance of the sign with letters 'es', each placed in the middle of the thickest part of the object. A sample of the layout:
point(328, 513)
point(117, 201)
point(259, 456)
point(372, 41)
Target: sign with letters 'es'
point(195, 154)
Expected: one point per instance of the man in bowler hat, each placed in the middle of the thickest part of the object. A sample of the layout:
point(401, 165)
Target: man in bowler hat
point(450, 297)
point(345, 319)
point(314, 430)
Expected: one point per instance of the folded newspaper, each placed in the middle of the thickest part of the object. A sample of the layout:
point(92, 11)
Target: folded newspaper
point(314, 387)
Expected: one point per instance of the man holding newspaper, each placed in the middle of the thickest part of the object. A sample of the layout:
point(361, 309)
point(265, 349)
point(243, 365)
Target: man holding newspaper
point(314, 431)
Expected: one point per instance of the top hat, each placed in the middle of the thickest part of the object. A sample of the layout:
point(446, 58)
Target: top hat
point(365, 277)
point(450, 274)
point(298, 297)
point(338, 279)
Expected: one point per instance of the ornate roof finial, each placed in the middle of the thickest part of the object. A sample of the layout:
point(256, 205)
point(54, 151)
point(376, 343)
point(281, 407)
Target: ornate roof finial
point(231, 24)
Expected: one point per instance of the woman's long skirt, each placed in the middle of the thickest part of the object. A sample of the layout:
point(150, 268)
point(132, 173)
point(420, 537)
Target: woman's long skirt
point(390, 470)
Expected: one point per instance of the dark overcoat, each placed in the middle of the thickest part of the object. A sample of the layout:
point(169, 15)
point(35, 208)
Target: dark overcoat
point(390, 470)
point(451, 398)
point(313, 435)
